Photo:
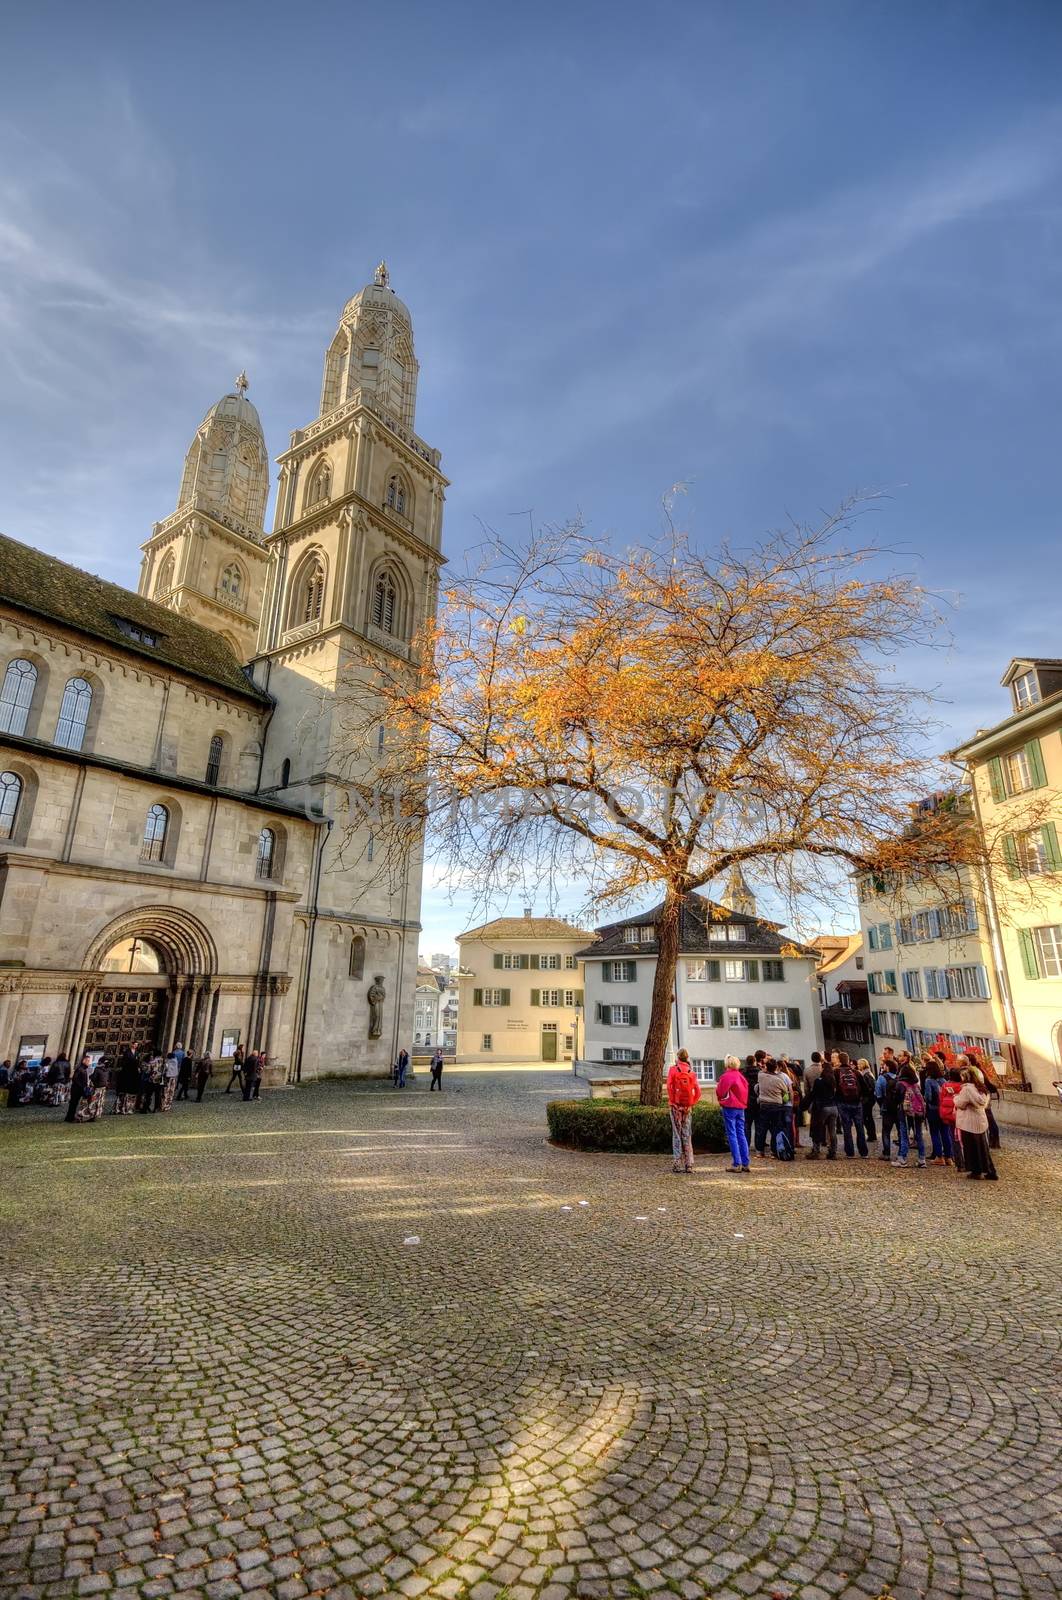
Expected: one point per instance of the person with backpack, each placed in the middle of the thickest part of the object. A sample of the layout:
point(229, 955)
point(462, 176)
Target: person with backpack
point(732, 1093)
point(931, 1092)
point(824, 1109)
point(911, 1113)
point(772, 1103)
point(750, 1072)
point(811, 1075)
point(887, 1094)
point(950, 1085)
point(683, 1092)
point(849, 1103)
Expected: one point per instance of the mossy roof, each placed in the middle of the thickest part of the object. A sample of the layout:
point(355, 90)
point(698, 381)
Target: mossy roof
point(54, 590)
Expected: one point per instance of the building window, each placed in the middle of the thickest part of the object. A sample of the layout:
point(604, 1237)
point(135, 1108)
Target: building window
point(232, 581)
point(20, 680)
point(267, 845)
point(320, 485)
point(1017, 772)
point(357, 956)
point(775, 1017)
point(1026, 691)
point(546, 997)
point(396, 494)
point(622, 1016)
point(164, 581)
point(707, 1068)
point(642, 933)
point(155, 826)
point(571, 964)
point(134, 630)
point(490, 997)
point(488, 1041)
point(384, 603)
point(881, 982)
point(313, 593)
point(773, 971)
point(285, 773)
point(740, 971)
point(912, 985)
point(1033, 852)
point(736, 932)
point(213, 769)
point(967, 983)
point(717, 933)
point(705, 1016)
point(742, 1017)
point(10, 794)
point(549, 963)
point(890, 1024)
point(73, 714)
point(616, 1052)
point(1047, 943)
point(879, 937)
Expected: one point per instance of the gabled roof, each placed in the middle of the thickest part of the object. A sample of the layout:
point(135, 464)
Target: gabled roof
point(50, 588)
point(834, 949)
point(763, 938)
point(1020, 664)
point(525, 928)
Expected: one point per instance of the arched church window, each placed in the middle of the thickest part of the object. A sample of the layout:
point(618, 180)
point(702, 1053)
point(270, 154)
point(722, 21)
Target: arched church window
point(313, 592)
point(320, 485)
point(232, 580)
point(285, 773)
point(267, 844)
point(396, 494)
point(357, 956)
point(155, 826)
point(384, 603)
point(213, 770)
point(164, 581)
point(10, 795)
point(20, 680)
point(73, 714)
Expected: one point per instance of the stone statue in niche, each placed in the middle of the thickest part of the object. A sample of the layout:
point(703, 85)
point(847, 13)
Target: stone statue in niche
point(376, 996)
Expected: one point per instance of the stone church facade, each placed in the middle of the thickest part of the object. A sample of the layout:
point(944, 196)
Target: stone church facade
point(178, 851)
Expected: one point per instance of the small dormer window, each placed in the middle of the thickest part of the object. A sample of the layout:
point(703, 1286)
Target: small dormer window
point(133, 630)
point(1026, 690)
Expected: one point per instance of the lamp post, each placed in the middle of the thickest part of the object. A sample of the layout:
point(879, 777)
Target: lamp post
point(575, 1038)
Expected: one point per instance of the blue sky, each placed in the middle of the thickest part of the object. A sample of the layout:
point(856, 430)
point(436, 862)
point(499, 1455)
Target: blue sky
point(776, 252)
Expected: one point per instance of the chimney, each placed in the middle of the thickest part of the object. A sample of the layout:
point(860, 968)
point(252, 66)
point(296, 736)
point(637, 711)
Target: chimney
point(528, 910)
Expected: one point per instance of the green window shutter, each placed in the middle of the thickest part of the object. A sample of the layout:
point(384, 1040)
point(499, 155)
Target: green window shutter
point(890, 979)
point(794, 1016)
point(717, 1016)
point(477, 997)
point(606, 1015)
point(995, 778)
point(606, 971)
point(497, 958)
point(1050, 838)
point(1036, 763)
point(713, 972)
point(752, 971)
point(534, 963)
point(598, 1010)
point(506, 997)
point(535, 997)
point(754, 1016)
point(525, 962)
point(578, 997)
point(1010, 855)
point(634, 1016)
point(631, 968)
point(1030, 964)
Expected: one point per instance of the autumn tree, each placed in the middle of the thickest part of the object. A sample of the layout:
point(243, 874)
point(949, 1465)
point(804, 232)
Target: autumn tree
point(647, 720)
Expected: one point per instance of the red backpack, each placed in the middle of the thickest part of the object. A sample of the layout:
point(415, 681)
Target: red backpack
point(682, 1090)
point(948, 1091)
point(849, 1084)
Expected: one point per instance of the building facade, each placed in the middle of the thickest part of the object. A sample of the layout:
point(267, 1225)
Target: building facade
point(179, 857)
point(1015, 774)
point(843, 995)
point(520, 990)
point(427, 1009)
point(741, 986)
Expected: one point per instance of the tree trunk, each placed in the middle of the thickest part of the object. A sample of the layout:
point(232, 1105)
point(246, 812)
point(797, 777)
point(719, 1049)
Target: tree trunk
point(667, 938)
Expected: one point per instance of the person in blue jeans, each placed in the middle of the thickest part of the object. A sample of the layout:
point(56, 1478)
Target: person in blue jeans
point(849, 1102)
point(772, 1103)
point(732, 1093)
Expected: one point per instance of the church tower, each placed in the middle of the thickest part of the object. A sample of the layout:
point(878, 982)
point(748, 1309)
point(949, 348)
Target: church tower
point(738, 897)
point(208, 560)
point(355, 556)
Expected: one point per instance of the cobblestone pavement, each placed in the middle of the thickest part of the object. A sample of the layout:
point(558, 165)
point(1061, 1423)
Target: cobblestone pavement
point(226, 1374)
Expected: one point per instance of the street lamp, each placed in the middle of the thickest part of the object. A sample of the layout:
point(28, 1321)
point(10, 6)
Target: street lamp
point(575, 1037)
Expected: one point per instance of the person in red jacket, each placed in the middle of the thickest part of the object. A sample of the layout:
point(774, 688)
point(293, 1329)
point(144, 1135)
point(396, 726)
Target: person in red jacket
point(732, 1093)
point(683, 1092)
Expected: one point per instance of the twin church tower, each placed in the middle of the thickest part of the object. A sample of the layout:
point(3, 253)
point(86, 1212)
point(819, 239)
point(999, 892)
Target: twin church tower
point(355, 545)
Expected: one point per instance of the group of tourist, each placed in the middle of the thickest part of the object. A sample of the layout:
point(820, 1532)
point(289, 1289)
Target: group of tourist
point(139, 1077)
point(766, 1102)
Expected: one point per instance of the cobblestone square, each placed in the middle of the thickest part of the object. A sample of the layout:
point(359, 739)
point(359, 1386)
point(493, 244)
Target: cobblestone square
point(351, 1341)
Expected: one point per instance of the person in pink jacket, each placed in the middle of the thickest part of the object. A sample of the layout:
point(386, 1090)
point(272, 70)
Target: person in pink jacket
point(732, 1093)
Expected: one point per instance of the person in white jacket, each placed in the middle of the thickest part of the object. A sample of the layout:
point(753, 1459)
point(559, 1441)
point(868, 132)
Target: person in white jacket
point(971, 1119)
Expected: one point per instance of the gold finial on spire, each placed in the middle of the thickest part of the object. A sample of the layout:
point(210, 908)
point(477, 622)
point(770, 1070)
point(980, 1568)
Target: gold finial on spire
point(242, 385)
point(381, 277)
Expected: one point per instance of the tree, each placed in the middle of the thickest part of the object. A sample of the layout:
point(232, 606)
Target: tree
point(650, 719)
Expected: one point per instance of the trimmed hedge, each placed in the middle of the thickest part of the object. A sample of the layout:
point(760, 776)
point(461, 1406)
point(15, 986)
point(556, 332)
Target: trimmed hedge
point(626, 1126)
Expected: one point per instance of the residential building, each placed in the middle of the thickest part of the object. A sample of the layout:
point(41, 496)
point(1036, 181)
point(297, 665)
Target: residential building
point(427, 1009)
point(442, 962)
point(169, 867)
point(521, 990)
point(931, 969)
point(1015, 773)
point(843, 1002)
point(741, 985)
point(449, 1013)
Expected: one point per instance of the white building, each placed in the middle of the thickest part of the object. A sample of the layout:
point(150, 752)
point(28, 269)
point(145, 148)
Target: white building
point(521, 990)
point(427, 1009)
point(843, 1002)
point(741, 985)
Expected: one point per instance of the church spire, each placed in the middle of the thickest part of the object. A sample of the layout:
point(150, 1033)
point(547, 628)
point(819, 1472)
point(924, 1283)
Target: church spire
point(737, 896)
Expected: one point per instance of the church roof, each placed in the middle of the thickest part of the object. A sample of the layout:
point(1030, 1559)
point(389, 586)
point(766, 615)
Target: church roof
point(50, 588)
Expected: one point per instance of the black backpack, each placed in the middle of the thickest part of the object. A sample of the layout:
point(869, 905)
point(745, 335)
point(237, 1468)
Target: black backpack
point(783, 1146)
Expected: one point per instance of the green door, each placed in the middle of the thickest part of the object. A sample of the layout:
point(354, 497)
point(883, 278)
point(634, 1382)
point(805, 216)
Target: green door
point(549, 1045)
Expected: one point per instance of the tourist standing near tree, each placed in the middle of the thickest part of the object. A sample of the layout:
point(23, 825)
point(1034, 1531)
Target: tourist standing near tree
point(683, 1092)
point(732, 1093)
point(971, 1116)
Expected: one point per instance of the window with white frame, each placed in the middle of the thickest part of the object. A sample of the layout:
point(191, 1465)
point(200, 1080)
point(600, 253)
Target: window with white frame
point(717, 932)
point(1017, 772)
point(737, 971)
point(879, 937)
point(705, 1016)
point(1034, 856)
point(775, 1017)
point(495, 997)
point(936, 983)
point(571, 963)
point(696, 972)
point(510, 963)
point(736, 932)
point(890, 1024)
point(487, 1041)
point(881, 982)
point(552, 997)
point(967, 983)
point(707, 1068)
point(742, 1017)
point(73, 714)
point(20, 680)
point(983, 1042)
point(621, 971)
point(621, 1016)
point(912, 985)
point(1026, 690)
point(1048, 945)
point(571, 998)
point(549, 963)
point(10, 794)
point(617, 1052)
point(643, 933)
